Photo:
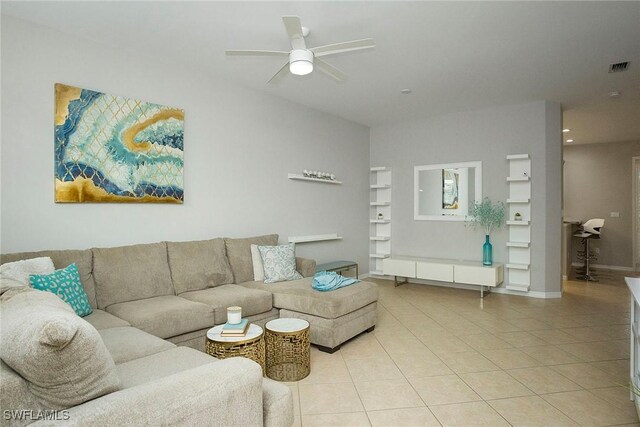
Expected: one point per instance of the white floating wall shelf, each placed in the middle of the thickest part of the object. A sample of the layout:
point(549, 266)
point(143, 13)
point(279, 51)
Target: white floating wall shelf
point(315, 238)
point(521, 222)
point(514, 266)
point(518, 244)
point(306, 178)
point(381, 256)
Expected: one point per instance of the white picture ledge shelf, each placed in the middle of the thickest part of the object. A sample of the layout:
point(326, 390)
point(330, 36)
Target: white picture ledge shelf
point(306, 178)
point(316, 238)
point(514, 266)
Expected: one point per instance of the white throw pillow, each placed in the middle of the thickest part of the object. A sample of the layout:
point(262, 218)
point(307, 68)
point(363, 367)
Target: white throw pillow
point(258, 266)
point(279, 263)
point(21, 270)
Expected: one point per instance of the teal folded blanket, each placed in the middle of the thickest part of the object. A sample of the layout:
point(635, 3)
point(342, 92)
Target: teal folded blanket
point(330, 280)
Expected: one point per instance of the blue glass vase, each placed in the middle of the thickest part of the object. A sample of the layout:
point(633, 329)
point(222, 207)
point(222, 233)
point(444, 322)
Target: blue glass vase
point(487, 252)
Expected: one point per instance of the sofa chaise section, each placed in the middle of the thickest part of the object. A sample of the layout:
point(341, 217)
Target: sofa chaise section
point(335, 316)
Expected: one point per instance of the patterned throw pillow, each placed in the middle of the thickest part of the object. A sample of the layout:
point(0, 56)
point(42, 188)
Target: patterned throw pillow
point(66, 284)
point(279, 263)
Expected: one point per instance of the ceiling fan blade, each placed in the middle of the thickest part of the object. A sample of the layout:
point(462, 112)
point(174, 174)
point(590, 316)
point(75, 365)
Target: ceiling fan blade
point(280, 74)
point(332, 49)
point(329, 70)
point(256, 53)
point(294, 30)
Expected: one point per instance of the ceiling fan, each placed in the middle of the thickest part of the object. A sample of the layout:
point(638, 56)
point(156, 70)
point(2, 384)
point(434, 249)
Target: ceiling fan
point(303, 60)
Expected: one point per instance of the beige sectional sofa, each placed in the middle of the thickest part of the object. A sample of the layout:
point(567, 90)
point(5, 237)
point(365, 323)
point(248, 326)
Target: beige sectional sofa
point(151, 301)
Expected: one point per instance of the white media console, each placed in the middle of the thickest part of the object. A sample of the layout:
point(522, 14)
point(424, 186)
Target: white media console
point(444, 270)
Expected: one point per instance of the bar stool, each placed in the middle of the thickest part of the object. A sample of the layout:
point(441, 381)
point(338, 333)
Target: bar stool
point(589, 230)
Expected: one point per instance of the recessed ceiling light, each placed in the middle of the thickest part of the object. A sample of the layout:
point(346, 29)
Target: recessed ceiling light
point(566, 130)
point(405, 91)
point(569, 140)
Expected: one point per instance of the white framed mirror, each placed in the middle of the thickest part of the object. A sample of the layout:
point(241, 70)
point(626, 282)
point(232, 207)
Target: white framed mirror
point(446, 192)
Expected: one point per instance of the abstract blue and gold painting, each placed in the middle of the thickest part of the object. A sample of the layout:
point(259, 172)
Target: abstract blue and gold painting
point(110, 149)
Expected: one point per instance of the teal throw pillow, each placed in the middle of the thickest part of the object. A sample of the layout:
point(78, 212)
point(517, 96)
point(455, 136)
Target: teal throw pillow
point(279, 263)
point(66, 284)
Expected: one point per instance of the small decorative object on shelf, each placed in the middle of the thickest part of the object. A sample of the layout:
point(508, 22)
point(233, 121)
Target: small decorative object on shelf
point(234, 315)
point(517, 216)
point(488, 216)
point(319, 175)
point(380, 216)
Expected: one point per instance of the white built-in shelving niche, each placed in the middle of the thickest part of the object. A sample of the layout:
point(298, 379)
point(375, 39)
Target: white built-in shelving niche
point(519, 244)
point(380, 229)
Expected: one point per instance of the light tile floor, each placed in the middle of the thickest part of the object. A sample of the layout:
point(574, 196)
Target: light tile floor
point(442, 356)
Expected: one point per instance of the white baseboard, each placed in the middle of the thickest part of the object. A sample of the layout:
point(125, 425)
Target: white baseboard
point(606, 267)
point(497, 290)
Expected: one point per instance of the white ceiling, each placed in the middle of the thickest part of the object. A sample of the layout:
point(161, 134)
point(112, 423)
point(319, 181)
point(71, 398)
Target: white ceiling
point(454, 56)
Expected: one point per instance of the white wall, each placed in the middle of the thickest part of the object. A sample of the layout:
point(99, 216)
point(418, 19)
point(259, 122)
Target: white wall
point(597, 181)
point(487, 135)
point(239, 147)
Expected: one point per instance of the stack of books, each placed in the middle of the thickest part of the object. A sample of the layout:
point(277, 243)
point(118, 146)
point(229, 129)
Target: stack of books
point(237, 330)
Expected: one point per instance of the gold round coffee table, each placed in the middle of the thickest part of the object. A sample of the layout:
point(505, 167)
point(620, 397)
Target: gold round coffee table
point(288, 349)
point(250, 346)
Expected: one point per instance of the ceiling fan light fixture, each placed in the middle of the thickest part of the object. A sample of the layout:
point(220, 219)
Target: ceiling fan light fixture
point(301, 62)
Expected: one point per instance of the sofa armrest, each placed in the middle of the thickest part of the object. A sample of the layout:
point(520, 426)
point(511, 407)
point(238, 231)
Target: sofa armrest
point(306, 266)
point(225, 393)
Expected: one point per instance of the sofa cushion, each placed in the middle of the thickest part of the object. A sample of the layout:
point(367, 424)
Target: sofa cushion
point(159, 365)
point(298, 295)
point(165, 316)
point(100, 319)
point(239, 255)
point(130, 273)
point(59, 354)
point(82, 258)
point(198, 265)
point(252, 301)
point(127, 343)
point(65, 284)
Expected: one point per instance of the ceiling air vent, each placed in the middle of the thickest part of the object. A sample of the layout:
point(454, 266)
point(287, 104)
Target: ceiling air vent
point(619, 67)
